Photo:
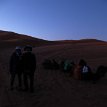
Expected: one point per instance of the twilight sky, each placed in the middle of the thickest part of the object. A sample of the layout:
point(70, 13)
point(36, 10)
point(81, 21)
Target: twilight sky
point(55, 19)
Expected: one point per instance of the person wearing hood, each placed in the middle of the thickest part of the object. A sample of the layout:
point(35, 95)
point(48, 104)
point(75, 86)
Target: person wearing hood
point(15, 67)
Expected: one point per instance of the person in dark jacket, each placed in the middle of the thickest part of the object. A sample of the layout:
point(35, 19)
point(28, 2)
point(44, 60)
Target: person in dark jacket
point(29, 67)
point(15, 68)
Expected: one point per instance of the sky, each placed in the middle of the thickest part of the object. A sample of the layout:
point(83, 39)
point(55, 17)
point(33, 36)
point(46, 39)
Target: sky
point(55, 19)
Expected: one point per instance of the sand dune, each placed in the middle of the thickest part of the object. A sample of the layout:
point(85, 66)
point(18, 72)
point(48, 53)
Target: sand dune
point(12, 39)
point(54, 88)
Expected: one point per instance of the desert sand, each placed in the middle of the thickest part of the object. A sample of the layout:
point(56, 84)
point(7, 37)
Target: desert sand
point(54, 88)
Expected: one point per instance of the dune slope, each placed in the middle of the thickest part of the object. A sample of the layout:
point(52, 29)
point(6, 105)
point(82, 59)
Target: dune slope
point(54, 88)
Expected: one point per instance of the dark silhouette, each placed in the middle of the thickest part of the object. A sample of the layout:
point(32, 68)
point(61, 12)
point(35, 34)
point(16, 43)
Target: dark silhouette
point(62, 65)
point(83, 71)
point(77, 71)
point(100, 72)
point(50, 64)
point(67, 66)
point(15, 67)
point(29, 67)
point(47, 64)
point(55, 65)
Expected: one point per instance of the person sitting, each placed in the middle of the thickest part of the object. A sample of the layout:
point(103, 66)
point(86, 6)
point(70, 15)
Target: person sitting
point(82, 71)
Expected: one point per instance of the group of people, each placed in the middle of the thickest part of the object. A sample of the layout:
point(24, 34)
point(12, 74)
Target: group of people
point(23, 66)
point(80, 71)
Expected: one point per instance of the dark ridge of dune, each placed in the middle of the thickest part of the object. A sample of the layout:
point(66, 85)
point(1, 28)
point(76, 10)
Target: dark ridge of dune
point(12, 39)
point(12, 36)
point(91, 41)
point(83, 41)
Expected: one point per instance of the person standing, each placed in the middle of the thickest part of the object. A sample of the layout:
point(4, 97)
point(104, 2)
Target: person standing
point(29, 67)
point(15, 68)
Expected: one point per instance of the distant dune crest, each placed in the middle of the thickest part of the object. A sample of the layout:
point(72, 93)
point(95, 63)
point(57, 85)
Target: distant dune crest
point(6, 35)
point(13, 38)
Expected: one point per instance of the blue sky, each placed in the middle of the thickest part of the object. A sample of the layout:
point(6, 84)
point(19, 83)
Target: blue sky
point(55, 19)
